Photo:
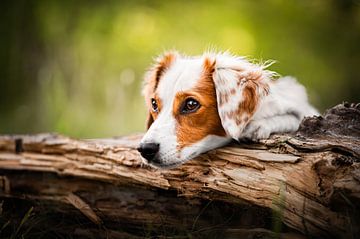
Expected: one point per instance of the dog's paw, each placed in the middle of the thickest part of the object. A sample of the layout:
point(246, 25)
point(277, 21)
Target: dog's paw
point(262, 133)
point(256, 131)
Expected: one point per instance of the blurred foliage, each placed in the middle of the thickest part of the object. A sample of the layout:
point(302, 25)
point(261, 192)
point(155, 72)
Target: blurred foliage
point(76, 67)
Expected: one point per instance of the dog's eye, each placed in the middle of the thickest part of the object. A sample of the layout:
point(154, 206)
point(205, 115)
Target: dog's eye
point(154, 105)
point(189, 106)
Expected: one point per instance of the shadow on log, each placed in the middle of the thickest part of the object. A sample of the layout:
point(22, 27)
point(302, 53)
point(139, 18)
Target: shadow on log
point(55, 186)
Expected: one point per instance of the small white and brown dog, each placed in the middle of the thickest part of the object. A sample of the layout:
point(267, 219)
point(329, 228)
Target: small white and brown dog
point(200, 103)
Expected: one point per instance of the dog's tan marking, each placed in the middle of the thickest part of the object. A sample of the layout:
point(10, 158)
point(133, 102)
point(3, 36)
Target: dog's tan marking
point(193, 127)
point(149, 120)
point(253, 88)
point(224, 98)
point(251, 97)
point(153, 79)
point(163, 64)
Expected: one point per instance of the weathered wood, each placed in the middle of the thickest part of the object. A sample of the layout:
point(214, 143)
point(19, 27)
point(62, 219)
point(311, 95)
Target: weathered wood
point(316, 187)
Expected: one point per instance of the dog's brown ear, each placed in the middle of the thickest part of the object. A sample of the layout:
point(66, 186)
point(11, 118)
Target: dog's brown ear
point(149, 121)
point(240, 86)
point(153, 77)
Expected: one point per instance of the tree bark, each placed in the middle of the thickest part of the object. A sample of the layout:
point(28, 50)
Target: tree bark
point(310, 181)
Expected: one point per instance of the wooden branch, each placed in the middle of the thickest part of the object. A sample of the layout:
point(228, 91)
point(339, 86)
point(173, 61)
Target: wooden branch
point(316, 187)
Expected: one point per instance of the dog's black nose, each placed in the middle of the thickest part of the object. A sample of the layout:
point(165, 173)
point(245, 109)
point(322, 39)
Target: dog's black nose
point(148, 150)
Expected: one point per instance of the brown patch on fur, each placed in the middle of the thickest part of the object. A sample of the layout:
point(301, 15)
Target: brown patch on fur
point(231, 114)
point(209, 68)
point(152, 81)
point(195, 126)
point(162, 65)
point(254, 75)
point(250, 98)
point(252, 93)
point(149, 120)
point(223, 99)
point(253, 89)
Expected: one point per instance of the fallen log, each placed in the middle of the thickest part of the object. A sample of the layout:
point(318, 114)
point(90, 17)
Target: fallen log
point(308, 181)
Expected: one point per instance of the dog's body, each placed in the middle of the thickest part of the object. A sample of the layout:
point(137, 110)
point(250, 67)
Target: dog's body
point(200, 103)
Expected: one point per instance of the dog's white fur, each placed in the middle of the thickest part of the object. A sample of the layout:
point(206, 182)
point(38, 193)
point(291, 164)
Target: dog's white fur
point(281, 106)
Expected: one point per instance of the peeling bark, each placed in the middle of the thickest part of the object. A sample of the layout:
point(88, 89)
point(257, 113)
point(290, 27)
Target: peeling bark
point(311, 179)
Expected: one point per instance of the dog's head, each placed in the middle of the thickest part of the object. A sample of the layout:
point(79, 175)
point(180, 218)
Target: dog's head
point(197, 104)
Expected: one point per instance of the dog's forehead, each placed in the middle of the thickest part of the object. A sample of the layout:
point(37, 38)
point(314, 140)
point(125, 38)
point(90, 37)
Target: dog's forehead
point(182, 76)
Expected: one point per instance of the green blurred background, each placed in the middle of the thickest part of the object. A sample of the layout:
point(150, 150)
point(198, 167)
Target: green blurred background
point(75, 67)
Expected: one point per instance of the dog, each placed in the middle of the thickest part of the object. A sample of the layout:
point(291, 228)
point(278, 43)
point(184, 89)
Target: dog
point(201, 103)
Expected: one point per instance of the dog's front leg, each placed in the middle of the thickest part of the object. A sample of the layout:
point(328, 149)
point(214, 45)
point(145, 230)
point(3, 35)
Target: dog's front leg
point(262, 128)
